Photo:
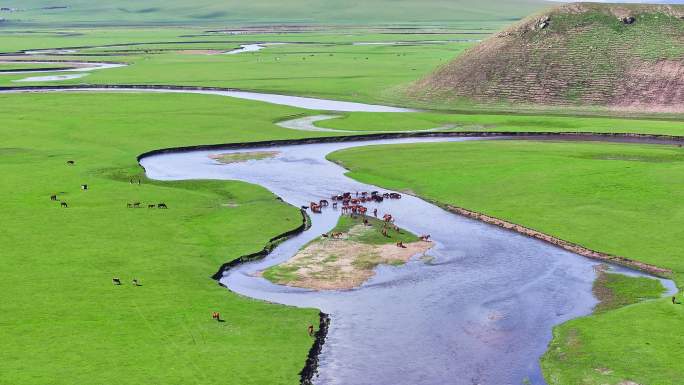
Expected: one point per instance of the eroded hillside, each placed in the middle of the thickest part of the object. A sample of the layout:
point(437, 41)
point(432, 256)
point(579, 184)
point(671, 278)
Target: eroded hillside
point(627, 57)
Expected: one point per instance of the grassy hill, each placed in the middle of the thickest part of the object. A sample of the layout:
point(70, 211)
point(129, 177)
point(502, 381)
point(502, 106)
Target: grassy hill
point(118, 12)
point(625, 57)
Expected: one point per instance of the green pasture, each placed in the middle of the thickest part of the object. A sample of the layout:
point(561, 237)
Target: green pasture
point(373, 235)
point(64, 322)
point(234, 12)
point(618, 290)
point(615, 198)
point(343, 71)
point(362, 121)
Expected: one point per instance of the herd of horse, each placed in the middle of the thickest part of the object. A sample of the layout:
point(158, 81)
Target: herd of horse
point(352, 203)
point(84, 187)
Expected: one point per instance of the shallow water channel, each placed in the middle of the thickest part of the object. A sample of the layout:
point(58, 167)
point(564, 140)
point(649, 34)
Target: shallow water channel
point(480, 311)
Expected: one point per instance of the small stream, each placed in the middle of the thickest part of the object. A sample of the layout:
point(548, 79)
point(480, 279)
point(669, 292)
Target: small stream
point(74, 70)
point(480, 311)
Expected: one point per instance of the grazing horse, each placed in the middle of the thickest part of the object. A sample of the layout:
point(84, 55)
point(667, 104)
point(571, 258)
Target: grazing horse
point(84, 187)
point(136, 205)
point(151, 206)
point(401, 244)
point(162, 206)
point(65, 205)
point(71, 162)
point(136, 283)
point(129, 205)
point(315, 207)
point(53, 197)
point(116, 281)
point(216, 316)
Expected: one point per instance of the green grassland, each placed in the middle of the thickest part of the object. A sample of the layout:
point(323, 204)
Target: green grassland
point(374, 234)
point(617, 290)
point(324, 64)
point(332, 70)
point(362, 121)
point(64, 322)
point(620, 199)
point(205, 12)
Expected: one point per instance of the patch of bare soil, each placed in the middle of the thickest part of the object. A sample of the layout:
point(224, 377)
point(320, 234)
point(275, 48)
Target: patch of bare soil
point(648, 86)
point(341, 264)
point(237, 157)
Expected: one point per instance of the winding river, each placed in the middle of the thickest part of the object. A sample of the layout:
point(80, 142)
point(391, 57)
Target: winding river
point(479, 311)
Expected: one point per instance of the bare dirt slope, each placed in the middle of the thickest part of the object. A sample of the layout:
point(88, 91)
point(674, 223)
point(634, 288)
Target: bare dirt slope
point(625, 57)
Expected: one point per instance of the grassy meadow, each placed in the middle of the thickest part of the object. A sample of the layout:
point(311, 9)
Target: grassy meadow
point(234, 12)
point(362, 121)
point(327, 66)
point(615, 198)
point(64, 322)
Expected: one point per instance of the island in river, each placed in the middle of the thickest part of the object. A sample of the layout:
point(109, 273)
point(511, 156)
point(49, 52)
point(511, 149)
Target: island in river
point(346, 257)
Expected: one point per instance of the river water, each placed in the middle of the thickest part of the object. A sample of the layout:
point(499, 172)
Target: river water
point(480, 311)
